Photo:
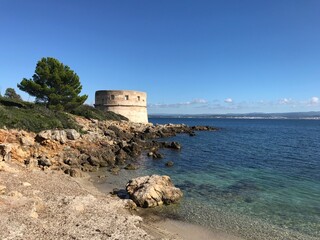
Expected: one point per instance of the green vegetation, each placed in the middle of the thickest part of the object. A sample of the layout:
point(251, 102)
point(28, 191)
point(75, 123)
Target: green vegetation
point(32, 117)
point(11, 93)
point(55, 85)
point(91, 112)
point(37, 117)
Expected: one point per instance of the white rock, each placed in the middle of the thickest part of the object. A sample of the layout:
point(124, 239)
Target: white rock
point(152, 191)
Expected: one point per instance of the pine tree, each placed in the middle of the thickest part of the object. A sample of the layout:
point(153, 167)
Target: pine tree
point(55, 85)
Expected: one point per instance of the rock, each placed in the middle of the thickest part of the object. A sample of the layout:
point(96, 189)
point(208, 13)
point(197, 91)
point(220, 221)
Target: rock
point(122, 144)
point(120, 133)
point(121, 156)
point(157, 155)
point(74, 172)
point(31, 162)
point(175, 145)
point(94, 161)
point(26, 141)
point(192, 134)
point(5, 152)
point(131, 166)
point(107, 157)
point(89, 168)
point(133, 149)
point(72, 134)
point(110, 133)
point(44, 162)
point(59, 136)
point(44, 135)
point(121, 193)
point(152, 191)
point(115, 170)
point(150, 154)
point(2, 189)
point(26, 184)
point(129, 204)
point(169, 164)
point(114, 191)
point(56, 135)
point(71, 162)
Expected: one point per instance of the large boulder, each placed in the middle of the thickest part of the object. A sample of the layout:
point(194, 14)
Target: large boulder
point(152, 191)
point(55, 135)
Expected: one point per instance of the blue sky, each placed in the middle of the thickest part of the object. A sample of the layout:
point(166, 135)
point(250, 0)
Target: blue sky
point(233, 56)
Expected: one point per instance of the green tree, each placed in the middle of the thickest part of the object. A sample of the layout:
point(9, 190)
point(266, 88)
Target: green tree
point(11, 93)
point(55, 85)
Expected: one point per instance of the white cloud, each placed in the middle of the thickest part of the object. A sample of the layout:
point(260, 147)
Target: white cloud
point(285, 101)
point(196, 101)
point(228, 100)
point(314, 101)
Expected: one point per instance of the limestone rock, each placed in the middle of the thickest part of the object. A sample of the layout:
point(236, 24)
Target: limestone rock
point(60, 136)
point(152, 191)
point(5, 152)
point(56, 135)
point(26, 140)
point(72, 134)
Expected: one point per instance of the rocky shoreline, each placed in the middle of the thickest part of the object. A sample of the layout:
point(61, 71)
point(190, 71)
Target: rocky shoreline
point(110, 144)
point(44, 192)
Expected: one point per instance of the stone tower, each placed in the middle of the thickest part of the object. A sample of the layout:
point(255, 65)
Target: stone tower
point(131, 104)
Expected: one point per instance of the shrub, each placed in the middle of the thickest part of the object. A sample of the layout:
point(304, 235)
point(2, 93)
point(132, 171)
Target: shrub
point(91, 112)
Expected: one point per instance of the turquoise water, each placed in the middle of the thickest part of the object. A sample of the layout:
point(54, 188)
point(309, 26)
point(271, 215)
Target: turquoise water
point(257, 179)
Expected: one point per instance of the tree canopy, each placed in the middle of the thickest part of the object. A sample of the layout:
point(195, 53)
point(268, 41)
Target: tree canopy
point(11, 93)
point(55, 85)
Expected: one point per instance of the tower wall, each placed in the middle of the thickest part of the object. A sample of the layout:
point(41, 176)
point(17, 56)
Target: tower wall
point(131, 104)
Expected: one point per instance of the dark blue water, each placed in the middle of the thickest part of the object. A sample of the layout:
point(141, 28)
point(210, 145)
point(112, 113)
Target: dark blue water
point(257, 179)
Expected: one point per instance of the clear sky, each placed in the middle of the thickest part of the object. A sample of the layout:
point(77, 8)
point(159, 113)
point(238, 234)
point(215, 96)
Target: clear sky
point(227, 56)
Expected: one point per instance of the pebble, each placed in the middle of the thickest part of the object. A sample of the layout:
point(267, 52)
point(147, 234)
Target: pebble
point(26, 184)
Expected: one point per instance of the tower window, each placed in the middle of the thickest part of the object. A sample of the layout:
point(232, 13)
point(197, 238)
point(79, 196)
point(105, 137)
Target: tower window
point(138, 98)
point(112, 97)
point(126, 97)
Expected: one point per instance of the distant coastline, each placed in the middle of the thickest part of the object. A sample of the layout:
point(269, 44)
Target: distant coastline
point(290, 115)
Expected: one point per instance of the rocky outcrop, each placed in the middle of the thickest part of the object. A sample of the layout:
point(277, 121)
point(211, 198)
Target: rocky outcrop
point(152, 191)
point(100, 144)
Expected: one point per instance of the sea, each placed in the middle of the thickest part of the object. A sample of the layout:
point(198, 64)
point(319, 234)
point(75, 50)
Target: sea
point(253, 178)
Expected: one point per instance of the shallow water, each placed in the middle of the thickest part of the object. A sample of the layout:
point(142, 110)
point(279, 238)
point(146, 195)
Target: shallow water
point(257, 179)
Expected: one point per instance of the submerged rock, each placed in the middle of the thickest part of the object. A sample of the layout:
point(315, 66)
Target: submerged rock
point(131, 166)
point(169, 164)
point(152, 191)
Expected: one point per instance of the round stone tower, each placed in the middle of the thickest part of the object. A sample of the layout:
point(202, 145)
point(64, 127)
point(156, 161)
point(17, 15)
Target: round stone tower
point(131, 104)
